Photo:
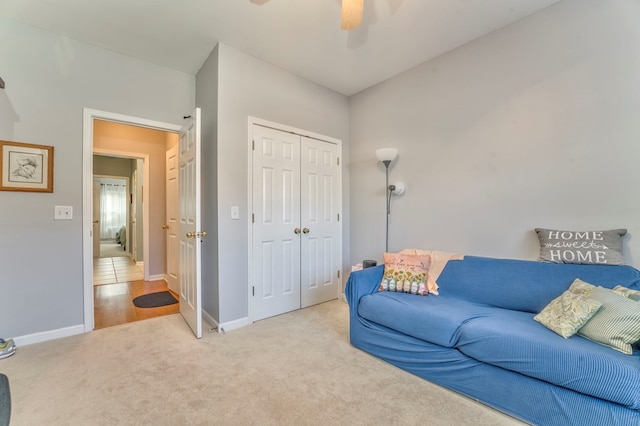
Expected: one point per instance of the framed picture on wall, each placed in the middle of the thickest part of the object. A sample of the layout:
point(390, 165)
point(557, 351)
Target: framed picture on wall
point(26, 167)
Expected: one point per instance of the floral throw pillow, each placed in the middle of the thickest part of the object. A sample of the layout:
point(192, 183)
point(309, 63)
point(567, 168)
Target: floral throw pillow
point(569, 312)
point(627, 292)
point(405, 273)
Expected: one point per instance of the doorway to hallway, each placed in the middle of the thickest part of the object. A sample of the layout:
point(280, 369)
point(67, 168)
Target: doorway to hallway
point(136, 249)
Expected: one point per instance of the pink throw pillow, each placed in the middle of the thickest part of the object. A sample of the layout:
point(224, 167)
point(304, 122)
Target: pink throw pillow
point(406, 273)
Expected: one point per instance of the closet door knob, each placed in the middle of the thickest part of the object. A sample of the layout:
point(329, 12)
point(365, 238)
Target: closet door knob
point(296, 231)
point(306, 230)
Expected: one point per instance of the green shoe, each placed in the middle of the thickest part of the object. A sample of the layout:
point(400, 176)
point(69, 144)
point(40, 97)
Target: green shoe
point(7, 348)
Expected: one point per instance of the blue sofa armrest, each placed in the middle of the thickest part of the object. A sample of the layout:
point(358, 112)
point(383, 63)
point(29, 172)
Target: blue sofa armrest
point(361, 283)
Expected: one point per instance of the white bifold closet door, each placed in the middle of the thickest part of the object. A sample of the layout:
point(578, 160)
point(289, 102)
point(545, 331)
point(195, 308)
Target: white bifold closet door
point(296, 231)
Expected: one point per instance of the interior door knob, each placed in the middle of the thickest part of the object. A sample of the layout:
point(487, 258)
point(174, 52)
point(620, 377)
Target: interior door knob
point(297, 230)
point(165, 226)
point(202, 234)
point(96, 221)
point(191, 235)
point(305, 230)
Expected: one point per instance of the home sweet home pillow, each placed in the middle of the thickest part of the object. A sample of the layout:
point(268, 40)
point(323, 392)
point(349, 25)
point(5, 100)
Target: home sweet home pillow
point(584, 247)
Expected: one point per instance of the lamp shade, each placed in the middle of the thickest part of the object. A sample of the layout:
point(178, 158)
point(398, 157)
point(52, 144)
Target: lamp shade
point(386, 154)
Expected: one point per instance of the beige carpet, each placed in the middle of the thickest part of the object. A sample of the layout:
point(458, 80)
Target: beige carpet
point(112, 249)
point(294, 369)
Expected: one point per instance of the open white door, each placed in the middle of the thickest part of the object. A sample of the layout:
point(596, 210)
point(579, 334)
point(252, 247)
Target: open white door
point(96, 219)
point(190, 222)
point(171, 224)
point(133, 215)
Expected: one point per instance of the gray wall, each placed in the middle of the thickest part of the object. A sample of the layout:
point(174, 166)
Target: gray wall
point(247, 87)
point(49, 80)
point(112, 166)
point(207, 100)
point(535, 125)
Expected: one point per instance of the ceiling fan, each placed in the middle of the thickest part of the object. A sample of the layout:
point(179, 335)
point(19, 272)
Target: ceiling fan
point(351, 14)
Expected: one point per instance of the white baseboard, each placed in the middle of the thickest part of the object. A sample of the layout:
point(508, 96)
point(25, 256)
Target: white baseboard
point(159, 277)
point(210, 320)
point(232, 325)
point(44, 336)
point(343, 298)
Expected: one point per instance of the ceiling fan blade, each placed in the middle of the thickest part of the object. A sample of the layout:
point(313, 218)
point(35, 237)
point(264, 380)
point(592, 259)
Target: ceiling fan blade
point(351, 14)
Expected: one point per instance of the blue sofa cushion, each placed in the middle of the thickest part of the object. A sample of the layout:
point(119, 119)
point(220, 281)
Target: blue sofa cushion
point(525, 285)
point(434, 319)
point(514, 341)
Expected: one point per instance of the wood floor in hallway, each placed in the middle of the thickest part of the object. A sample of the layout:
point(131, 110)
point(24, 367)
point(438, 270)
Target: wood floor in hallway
point(113, 303)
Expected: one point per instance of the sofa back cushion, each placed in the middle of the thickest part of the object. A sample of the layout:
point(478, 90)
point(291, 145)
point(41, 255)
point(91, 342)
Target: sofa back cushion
point(525, 285)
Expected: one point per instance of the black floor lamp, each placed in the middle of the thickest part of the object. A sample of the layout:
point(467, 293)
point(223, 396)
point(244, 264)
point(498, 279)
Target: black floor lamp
point(386, 156)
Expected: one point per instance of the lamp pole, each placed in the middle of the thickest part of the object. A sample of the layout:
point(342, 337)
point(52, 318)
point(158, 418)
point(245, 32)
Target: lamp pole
point(388, 195)
point(386, 156)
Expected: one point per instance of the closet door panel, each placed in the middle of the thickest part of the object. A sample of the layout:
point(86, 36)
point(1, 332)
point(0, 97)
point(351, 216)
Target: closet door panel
point(320, 204)
point(276, 206)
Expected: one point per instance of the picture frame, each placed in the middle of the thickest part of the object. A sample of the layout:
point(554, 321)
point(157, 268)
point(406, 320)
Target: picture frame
point(26, 167)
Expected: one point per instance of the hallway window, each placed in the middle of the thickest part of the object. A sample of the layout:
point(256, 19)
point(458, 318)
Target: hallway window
point(113, 212)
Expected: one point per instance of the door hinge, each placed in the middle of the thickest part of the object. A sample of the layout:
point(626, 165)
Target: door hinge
point(338, 217)
point(253, 217)
point(253, 145)
point(338, 158)
point(253, 291)
point(338, 274)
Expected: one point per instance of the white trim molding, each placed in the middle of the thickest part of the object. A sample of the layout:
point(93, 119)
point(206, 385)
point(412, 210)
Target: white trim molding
point(210, 320)
point(44, 336)
point(89, 115)
point(158, 277)
point(233, 325)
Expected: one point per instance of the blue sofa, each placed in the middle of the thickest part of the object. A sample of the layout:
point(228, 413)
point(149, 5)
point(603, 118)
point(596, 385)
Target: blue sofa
point(478, 337)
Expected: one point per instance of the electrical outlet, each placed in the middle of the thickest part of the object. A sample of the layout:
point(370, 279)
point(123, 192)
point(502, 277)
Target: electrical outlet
point(63, 213)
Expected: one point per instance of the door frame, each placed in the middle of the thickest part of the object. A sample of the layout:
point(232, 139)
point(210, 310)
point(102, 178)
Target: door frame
point(285, 128)
point(88, 116)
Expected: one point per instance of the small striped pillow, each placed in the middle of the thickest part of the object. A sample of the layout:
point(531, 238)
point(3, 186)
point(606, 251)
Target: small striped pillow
point(616, 324)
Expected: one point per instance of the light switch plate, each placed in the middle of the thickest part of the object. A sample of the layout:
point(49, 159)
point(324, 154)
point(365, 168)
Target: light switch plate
point(63, 213)
point(235, 212)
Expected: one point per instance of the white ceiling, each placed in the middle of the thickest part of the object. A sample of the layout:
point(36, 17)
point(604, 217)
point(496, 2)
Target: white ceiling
point(302, 36)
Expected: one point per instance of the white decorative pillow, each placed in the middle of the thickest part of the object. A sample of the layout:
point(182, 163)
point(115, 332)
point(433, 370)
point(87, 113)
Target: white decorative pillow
point(585, 247)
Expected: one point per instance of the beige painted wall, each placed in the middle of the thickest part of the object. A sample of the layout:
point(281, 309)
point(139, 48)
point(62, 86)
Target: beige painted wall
point(139, 141)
